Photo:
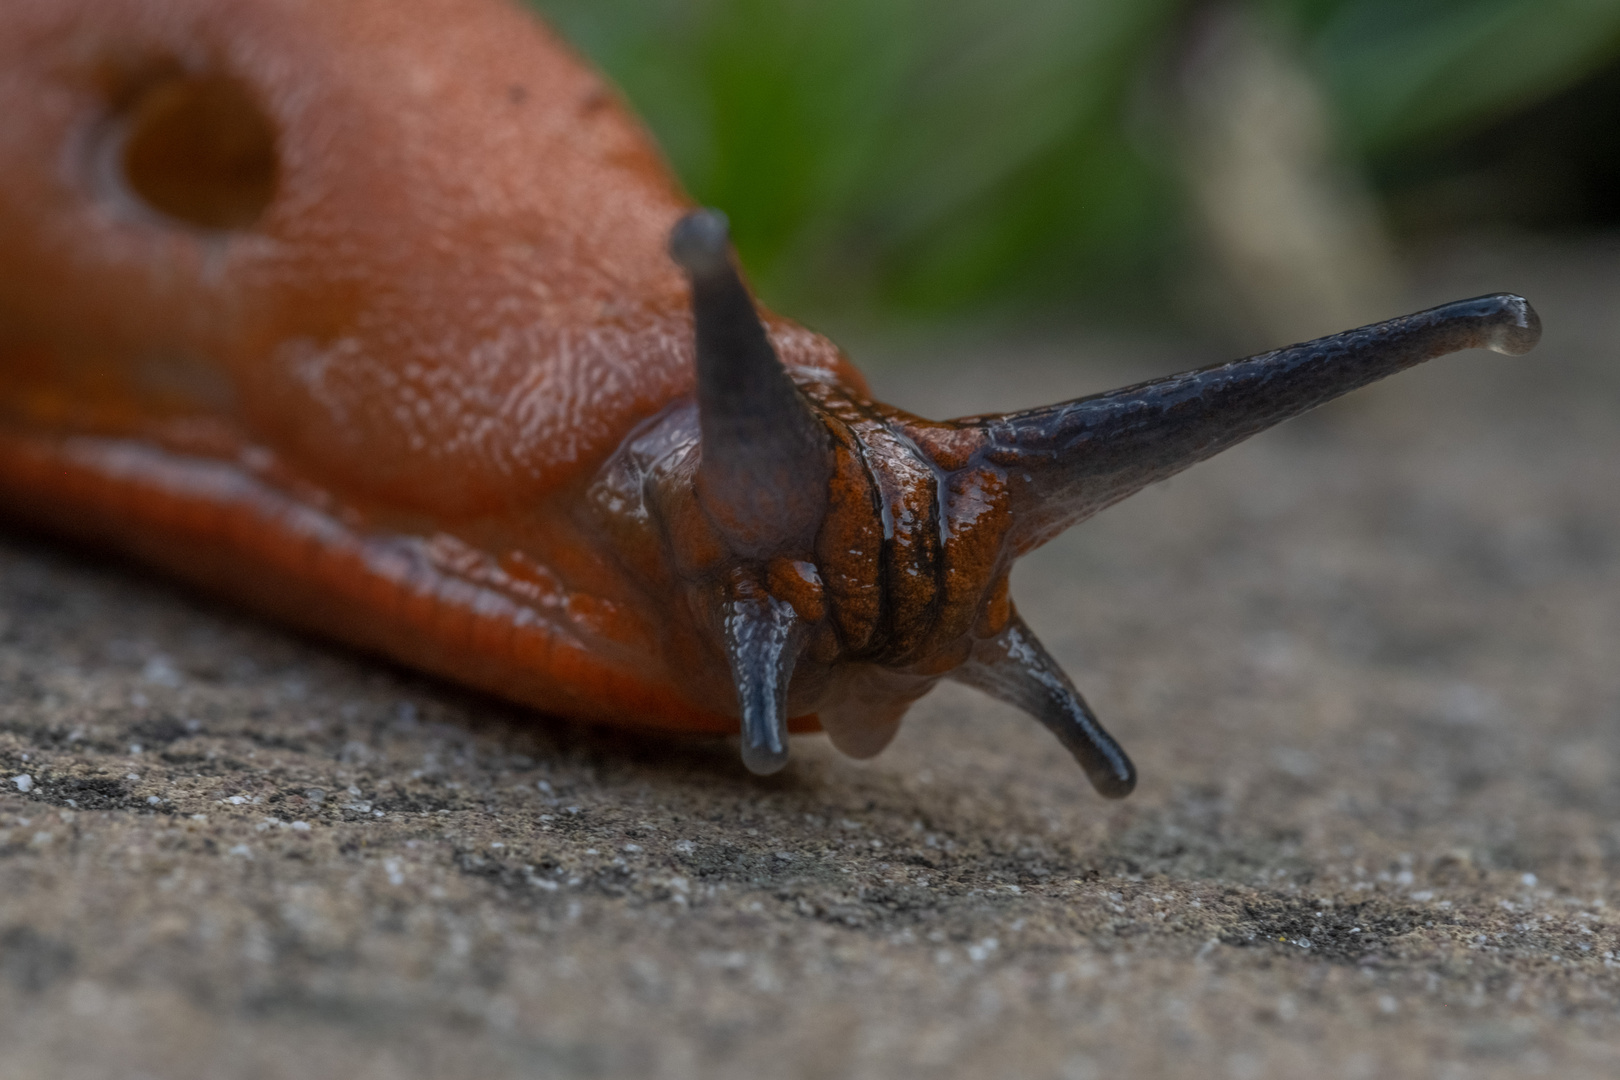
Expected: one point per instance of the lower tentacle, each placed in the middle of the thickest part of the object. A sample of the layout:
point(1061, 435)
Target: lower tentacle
point(763, 636)
point(1014, 667)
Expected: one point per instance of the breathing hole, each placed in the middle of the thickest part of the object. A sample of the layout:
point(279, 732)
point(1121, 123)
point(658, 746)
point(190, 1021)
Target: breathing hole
point(199, 148)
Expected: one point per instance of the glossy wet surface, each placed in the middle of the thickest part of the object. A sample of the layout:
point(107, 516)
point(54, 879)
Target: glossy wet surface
point(1366, 665)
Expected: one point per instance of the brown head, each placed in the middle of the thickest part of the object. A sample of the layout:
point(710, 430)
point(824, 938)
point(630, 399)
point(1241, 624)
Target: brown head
point(844, 556)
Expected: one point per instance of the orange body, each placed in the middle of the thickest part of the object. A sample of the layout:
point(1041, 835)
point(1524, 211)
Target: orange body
point(337, 308)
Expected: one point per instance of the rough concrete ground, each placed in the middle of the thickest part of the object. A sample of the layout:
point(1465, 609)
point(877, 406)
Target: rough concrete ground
point(1366, 665)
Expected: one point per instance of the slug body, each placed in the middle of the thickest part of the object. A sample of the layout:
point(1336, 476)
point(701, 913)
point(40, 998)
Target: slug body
point(366, 314)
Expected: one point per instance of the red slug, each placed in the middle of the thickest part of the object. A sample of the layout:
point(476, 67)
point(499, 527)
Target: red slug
point(384, 317)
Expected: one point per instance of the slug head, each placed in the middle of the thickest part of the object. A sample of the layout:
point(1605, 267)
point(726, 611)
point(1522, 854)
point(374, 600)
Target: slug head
point(843, 556)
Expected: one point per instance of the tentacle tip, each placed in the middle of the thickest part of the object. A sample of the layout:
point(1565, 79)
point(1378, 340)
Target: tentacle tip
point(1517, 332)
point(700, 242)
point(763, 760)
point(1114, 785)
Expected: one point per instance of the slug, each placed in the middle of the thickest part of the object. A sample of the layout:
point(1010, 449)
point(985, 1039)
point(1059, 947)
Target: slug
point(385, 318)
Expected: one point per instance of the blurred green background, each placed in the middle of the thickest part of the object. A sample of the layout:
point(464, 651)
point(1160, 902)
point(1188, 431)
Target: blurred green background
point(907, 158)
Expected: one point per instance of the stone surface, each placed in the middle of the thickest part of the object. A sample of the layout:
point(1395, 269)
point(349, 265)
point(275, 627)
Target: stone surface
point(1366, 664)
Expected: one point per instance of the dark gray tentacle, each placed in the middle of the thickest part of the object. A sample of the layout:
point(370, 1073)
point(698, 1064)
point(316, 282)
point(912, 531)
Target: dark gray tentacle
point(1014, 667)
point(766, 461)
point(1068, 461)
point(762, 638)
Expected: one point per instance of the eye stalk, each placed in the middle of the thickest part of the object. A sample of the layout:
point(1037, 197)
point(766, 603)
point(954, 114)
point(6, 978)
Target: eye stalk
point(1082, 456)
point(853, 555)
point(765, 466)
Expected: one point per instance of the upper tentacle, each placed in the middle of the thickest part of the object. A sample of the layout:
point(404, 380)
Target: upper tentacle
point(1070, 460)
point(766, 460)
